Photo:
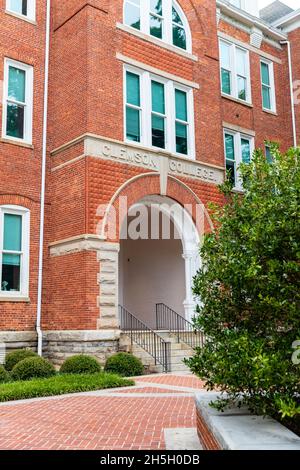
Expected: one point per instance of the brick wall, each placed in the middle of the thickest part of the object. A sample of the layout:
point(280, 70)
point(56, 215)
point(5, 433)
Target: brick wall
point(20, 167)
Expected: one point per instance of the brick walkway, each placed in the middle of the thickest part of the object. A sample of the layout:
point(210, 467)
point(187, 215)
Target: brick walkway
point(132, 418)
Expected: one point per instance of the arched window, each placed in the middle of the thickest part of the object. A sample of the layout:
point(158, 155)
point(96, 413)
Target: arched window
point(161, 19)
point(14, 252)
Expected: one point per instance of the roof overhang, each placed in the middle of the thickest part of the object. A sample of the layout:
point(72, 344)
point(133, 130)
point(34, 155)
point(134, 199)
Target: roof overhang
point(289, 22)
point(250, 20)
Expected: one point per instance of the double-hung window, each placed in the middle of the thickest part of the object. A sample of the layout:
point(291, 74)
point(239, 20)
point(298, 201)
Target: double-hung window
point(158, 112)
point(161, 19)
point(18, 97)
point(23, 8)
point(235, 71)
point(14, 251)
point(268, 85)
point(238, 149)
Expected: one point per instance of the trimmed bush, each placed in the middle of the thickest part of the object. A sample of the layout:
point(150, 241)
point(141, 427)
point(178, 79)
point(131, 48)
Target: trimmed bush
point(33, 367)
point(16, 356)
point(124, 364)
point(80, 364)
point(4, 375)
point(60, 385)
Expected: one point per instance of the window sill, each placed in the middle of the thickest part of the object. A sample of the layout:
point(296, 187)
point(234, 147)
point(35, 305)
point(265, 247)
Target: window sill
point(157, 42)
point(236, 100)
point(21, 17)
point(19, 299)
point(158, 150)
point(269, 111)
point(5, 140)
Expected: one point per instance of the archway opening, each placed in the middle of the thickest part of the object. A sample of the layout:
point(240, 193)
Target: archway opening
point(158, 258)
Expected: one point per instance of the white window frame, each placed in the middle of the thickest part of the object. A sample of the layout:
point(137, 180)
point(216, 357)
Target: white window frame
point(237, 137)
point(234, 72)
point(31, 10)
point(25, 249)
point(28, 108)
point(270, 64)
point(170, 119)
point(167, 22)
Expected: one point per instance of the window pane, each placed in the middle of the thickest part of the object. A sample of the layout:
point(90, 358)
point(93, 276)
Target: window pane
point(246, 151)
point(15, 121)
point(225, 56)
point(181, 105)
point(16, 84)
point(226, 82)
point(181, 138)
point(230, 167)
point(156, 27)
point(242, 85)
point(179, 37)
point(11, 272)
point(12, 232)
point(241, 62)
point(133, 89)
point(176, 18)
point(18, 6)
point(158, 97)
point(229, 146)
point(133, 124)
point(156, 6)
point(269, 155)
point(265, 75)
point(158, 131)
point(132, 15)
point(266, 97)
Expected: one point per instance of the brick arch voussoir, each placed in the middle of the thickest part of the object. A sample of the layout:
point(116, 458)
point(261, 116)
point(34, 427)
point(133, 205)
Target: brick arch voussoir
point(17, 200)
point(149, 185)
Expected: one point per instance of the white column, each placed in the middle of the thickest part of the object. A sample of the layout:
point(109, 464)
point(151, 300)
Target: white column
point(192, 263)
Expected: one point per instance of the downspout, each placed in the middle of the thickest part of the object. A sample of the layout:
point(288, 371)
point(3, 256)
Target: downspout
point(288, 43)
point(43, 183)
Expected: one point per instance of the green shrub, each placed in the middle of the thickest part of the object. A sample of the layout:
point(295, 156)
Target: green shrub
point(4, 375)
point(16, 356)
point(80, 364)
point(124, 364)
point(60, 385)
point(249, 290)
point(33, 367)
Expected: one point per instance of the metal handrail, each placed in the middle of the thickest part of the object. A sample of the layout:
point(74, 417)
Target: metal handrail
point(146, 338)
point(169, 320)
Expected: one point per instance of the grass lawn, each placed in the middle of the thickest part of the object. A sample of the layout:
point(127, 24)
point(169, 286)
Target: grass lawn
point(60, 385)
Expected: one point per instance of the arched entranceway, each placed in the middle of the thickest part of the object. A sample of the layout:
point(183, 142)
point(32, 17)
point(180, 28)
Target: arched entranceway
point(159, 255)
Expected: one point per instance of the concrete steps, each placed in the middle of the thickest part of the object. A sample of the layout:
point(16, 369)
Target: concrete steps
point(179, 351)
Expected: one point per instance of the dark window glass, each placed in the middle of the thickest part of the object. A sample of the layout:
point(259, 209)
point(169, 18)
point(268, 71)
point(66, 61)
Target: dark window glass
point(15, 121)
point(158, 131)
point(181, 138)
point(133, 132)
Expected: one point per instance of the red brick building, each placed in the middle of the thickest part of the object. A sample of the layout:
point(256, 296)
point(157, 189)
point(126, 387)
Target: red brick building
point(148, 102)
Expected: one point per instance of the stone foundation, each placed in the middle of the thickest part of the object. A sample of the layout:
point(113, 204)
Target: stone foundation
point(18, 340)
point(59, 345)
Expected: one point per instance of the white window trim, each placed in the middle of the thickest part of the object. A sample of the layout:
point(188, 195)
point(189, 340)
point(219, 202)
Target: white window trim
point(233, 72)
point(167, 22)
point(31, 10)
point(28, 113)
point(146, 111)
point(24, 273)
point(238, 136)
point(272, 86)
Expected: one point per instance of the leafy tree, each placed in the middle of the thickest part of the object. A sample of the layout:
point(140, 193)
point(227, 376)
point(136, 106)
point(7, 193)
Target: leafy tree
point(249, 289)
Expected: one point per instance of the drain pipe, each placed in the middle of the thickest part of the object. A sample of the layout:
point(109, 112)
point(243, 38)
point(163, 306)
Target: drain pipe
point(288, 43)
point(43, 184)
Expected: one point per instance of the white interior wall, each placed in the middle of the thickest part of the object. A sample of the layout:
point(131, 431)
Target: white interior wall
point(151, 271)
